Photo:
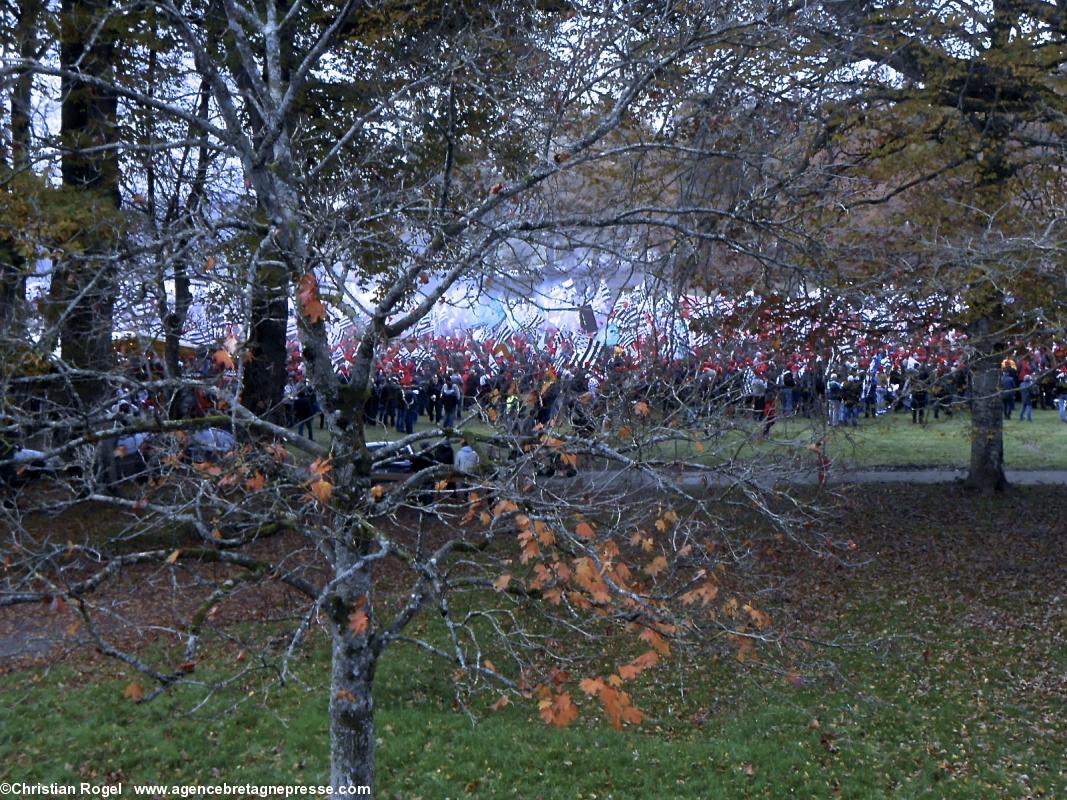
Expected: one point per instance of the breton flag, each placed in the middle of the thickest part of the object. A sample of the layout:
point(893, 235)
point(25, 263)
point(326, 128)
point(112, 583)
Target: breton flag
point(591, 354)
point(559, 362)
point(586, 351)
point(533, 326)
point(630, 317)
point(501, 330)
point(627, 337)
point(601, 301)
point(565, 349)
point(422, 355)
point(424, 327)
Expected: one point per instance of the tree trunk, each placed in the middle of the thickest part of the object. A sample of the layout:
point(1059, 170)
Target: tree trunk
point(987, 416)
point(83, 287)
point(265, 374)
point(13, 265)
point(354, 663)
point(26, 25)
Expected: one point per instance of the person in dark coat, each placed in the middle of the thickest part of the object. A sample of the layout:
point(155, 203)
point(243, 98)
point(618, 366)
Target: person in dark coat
point(919, 387)
point(305, 407)
point(449, 401)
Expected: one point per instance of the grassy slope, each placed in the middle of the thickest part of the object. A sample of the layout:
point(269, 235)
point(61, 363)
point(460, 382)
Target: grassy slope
point(888, 441)
point(945, 680)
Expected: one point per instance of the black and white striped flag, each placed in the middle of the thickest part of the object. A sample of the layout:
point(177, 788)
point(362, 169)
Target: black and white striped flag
point(589, 355)
point(424, 327)
point(601, 301)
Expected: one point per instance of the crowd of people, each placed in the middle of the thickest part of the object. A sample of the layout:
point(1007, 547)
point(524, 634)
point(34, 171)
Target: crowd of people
point(532, 386)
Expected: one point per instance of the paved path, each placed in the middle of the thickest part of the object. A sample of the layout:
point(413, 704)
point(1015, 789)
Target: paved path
point(627, 480)
point(1018, 477)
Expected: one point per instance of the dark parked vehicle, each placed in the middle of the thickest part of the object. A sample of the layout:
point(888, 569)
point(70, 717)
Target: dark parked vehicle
point(407, 460)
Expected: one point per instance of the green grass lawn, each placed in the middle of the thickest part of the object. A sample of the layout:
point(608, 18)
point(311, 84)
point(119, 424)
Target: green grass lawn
point(873, 726)
point(888, 441)
point(893, 440)
point(940, 674)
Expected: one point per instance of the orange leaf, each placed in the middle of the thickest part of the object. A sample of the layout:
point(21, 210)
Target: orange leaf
point(209, 264)
point(541, 577)
point(705, 593)
point(502, 582)
point(256, 482)
point(745, 648)
point(499, 704)
point(307, 295)
point(617, 706)
point(358, 621)
point(641, 408)
point(545, 535)
point(656, 566)
point(315, 311)
point(655, 641)
point(585, 573)
point(319, 467)
point(558, 710)
point(345, 696)
point(321, 491)
point(377, 491)
point(529, 550)
point(489, 665)
point(591, 686)
point(504, 507)
point(134, 692)
point(224, 359)
point(647, 659)
point(585, 530)
point(173, 557)
point(760, 619)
